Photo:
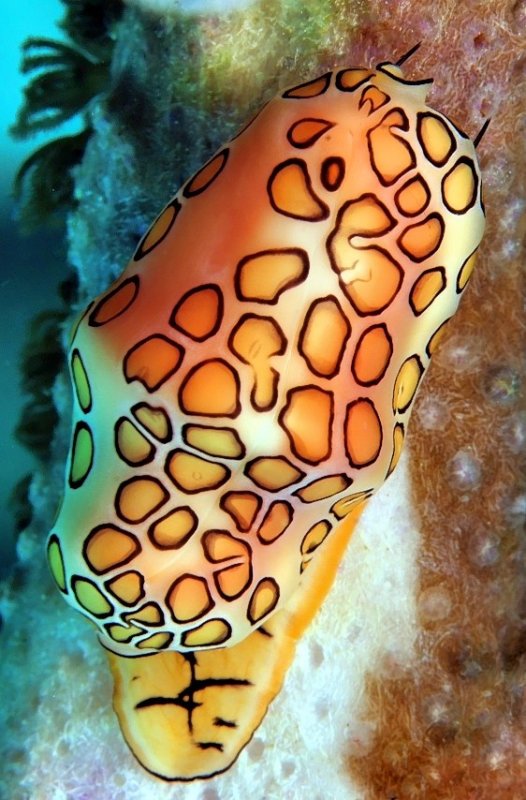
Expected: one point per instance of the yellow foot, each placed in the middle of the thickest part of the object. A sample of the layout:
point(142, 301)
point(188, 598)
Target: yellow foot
point(189, 715)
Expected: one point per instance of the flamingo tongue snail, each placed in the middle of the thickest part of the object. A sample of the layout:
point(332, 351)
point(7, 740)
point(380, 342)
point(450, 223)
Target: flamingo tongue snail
point(244, 387)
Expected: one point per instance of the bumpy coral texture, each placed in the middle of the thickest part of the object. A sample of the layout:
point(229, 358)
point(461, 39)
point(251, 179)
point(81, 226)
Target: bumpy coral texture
point(450, 722)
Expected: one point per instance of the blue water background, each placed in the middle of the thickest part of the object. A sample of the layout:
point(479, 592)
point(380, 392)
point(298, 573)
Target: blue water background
point(31, 267)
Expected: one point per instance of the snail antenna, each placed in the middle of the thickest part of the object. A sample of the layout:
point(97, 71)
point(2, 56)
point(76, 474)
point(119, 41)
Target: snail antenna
point(407, 55)
point(482, 131)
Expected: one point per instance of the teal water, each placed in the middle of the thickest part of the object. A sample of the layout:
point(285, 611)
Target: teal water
point(31, 266)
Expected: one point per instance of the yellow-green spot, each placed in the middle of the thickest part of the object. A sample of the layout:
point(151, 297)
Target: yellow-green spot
point(81, 382)
point(82, 454)
point(156, 641)
point(90, 598)
point(124, 633)
point(132, 445)
point(56, 564)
